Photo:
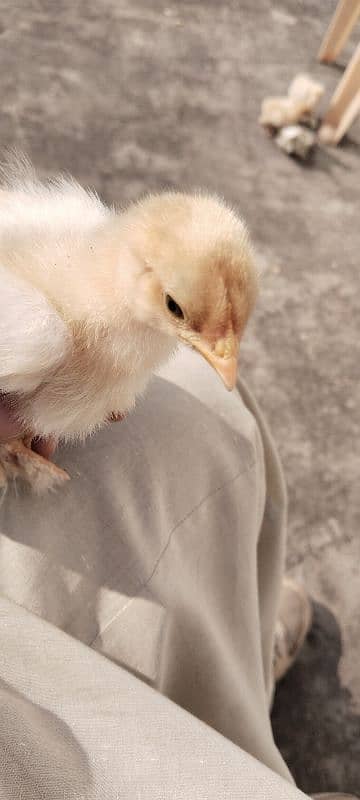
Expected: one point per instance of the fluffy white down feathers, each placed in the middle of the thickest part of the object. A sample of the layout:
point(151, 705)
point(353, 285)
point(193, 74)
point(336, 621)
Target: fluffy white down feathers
point(83, 288)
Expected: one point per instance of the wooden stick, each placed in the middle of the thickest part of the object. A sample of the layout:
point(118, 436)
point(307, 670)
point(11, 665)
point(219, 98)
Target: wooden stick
point(341, 25)
point(344, 105)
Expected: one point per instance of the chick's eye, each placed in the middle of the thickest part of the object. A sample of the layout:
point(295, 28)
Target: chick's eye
point(173, 307)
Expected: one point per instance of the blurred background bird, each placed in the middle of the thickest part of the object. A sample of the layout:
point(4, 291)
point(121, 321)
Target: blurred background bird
point(93, 300)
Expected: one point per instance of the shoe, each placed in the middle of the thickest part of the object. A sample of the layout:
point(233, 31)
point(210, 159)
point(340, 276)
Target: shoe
point(334, 796)
point(292, 627)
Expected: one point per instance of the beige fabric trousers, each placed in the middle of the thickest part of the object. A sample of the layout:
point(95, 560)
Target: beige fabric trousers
point(160, 563)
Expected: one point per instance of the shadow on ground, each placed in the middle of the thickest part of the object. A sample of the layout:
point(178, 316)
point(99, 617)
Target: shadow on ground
point(314, 721)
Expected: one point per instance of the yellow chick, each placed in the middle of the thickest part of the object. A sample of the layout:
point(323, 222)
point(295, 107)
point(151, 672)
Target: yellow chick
point(93, 300)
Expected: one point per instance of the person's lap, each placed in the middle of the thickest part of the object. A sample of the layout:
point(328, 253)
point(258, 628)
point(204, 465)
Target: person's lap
point(165, 551)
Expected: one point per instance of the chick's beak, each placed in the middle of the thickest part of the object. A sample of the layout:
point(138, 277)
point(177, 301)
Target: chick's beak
point(223, 358)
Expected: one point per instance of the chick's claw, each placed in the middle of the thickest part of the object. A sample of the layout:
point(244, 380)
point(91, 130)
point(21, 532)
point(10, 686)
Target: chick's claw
point(116, 416)
point(19, 461)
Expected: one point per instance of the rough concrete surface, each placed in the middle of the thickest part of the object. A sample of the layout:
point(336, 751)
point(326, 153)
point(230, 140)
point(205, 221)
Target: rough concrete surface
point(141, 94)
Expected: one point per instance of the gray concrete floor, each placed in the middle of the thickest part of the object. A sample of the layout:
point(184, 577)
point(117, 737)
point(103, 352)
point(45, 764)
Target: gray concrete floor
point(141, 94)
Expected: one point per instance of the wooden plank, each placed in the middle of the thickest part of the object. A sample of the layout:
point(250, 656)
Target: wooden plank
point(344, 105)
point(341, 25)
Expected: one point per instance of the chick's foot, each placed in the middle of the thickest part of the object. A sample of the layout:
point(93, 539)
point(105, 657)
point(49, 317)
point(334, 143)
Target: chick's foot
point(19, 462)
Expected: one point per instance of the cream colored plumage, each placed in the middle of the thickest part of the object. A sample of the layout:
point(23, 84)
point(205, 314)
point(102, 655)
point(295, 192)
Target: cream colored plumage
point(93, 300)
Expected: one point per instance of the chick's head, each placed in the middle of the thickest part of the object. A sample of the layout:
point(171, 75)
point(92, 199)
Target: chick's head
point(195, 277)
